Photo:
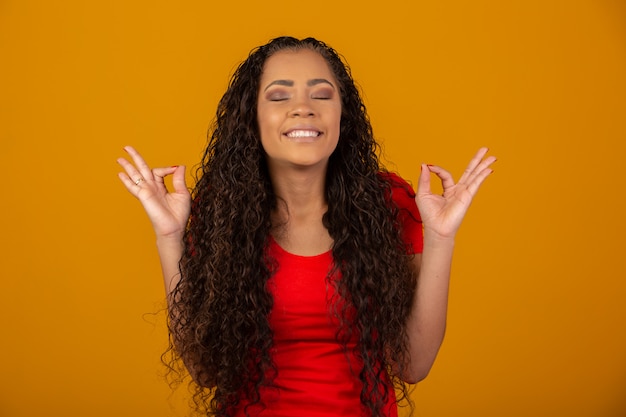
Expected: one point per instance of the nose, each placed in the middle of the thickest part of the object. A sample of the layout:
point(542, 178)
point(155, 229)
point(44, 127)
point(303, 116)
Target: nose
point(302, 108)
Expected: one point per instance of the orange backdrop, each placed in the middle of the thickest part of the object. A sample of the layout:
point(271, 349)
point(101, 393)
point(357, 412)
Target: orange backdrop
point(537, 323)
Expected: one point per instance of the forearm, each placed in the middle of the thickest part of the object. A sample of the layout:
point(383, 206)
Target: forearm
point(427, 321)
point(170, 249)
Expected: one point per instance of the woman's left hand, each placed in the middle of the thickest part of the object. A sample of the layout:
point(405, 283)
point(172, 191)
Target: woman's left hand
point(443, 214)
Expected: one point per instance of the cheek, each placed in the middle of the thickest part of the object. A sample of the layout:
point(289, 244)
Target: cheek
point(339, 114)
point(267, 120)
point(264, 124)
point(338, 122)
point(267, 129)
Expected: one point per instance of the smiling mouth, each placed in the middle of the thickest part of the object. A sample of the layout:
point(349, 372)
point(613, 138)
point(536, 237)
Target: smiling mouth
point(303, 134)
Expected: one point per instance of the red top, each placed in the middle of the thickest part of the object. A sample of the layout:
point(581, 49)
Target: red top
point(315, 377)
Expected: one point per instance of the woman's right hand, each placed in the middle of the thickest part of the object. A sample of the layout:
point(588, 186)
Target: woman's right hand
point(168, 211)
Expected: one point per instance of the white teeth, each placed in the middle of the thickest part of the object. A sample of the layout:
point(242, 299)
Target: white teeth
point(303, 134)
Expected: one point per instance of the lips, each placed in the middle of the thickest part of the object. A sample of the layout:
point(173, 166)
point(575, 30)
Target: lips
point(302, 133)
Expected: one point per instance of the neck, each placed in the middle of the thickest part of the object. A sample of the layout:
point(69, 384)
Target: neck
point(300, 192)
point(297, 220)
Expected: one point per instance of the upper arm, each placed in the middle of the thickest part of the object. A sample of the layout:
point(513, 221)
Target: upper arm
point(409, 219)
point(417, 263)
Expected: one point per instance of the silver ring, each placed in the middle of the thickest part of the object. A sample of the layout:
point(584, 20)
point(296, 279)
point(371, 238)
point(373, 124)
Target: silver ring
point(138, 181)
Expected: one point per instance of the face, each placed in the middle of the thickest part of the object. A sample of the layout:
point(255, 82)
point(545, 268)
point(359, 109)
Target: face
point(299, 110)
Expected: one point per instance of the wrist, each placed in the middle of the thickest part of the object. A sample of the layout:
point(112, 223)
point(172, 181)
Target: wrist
point(433, 238)
point(169, 239)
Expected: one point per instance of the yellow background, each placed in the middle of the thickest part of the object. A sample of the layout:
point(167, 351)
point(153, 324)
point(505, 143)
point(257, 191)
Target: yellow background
point(538, 299)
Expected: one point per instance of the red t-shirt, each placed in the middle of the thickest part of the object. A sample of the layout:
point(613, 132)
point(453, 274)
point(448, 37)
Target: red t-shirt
point(316, 377)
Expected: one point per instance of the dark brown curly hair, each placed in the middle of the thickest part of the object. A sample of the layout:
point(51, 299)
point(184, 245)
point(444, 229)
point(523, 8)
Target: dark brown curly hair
point(218, 313)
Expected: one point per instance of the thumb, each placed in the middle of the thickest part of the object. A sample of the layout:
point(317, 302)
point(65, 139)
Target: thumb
point(423, 184)
point(178, 180)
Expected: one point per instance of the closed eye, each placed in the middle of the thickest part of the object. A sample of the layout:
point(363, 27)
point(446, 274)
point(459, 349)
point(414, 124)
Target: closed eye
point(277, 96)
point(322, 95)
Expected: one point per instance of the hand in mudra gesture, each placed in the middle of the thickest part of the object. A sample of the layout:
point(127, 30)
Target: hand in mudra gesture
point(168, 210)
point(443, 214)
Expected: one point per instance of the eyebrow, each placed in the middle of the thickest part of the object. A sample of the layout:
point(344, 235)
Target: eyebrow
point(310, 83)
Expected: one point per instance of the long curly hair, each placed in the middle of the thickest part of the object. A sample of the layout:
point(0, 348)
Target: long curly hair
point(218, 312)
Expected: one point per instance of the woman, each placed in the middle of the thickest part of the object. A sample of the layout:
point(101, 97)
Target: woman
point(293, 271)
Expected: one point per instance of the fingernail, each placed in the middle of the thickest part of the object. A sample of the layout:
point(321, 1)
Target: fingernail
point(174, 166)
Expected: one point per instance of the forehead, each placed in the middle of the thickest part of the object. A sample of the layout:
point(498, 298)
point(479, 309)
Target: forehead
point(302, 64)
